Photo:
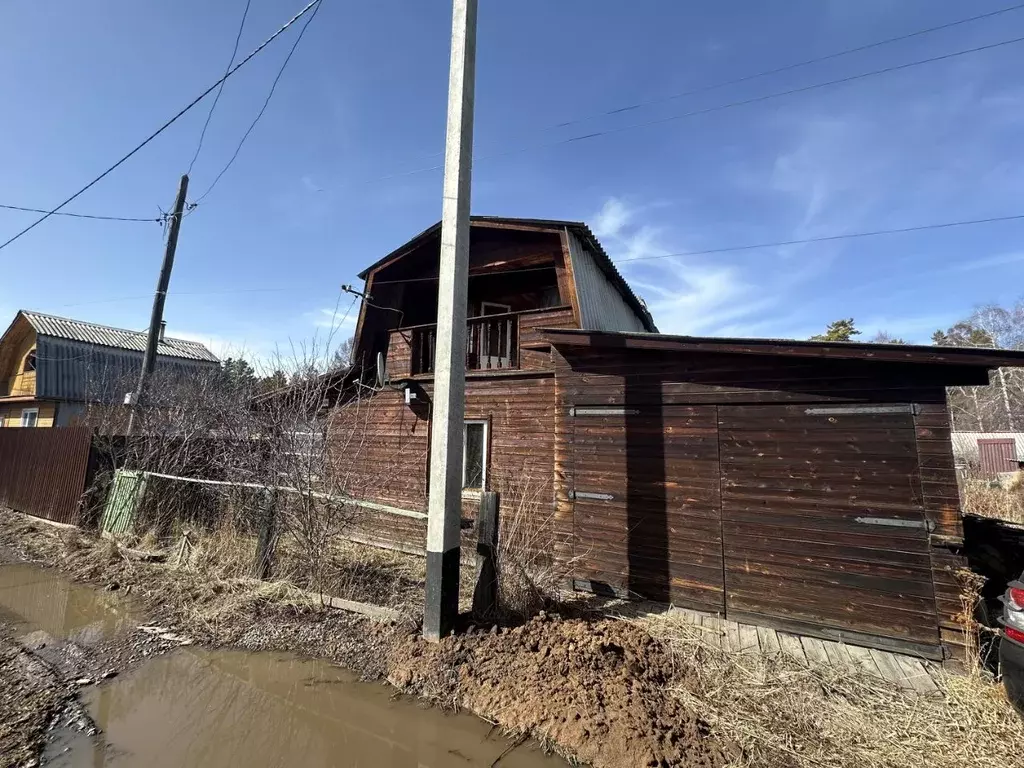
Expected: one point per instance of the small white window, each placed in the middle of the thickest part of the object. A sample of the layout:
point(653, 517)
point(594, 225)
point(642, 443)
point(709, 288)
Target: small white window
point(493, 308)
point(474, 456)
point(29, 417)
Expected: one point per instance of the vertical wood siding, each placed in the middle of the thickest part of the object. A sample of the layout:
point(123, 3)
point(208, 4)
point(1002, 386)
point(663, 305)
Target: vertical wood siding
point(792, 485)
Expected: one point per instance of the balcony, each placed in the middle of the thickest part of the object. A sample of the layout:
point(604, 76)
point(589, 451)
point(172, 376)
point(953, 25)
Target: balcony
point(493, 342)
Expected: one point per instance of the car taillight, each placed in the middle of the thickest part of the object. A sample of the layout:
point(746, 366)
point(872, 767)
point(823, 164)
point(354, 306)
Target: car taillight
point(1016, 599)
point(1014, 634)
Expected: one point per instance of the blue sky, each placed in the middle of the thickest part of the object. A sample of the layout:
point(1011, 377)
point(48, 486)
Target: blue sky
point(322, 188)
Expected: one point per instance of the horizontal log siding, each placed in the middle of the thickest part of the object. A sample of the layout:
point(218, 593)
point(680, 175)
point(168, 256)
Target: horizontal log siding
point(382, 451)
point(883, 455)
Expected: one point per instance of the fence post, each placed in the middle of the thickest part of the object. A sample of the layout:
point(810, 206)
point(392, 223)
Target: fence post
point(485, 593)
point(264, 560)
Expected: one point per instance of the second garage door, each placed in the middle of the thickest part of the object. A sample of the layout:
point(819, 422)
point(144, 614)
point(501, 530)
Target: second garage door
point(823, 520)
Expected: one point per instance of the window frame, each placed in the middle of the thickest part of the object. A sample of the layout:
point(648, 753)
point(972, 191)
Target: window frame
point(486, 445)
point(484, 305)
point(34, 412)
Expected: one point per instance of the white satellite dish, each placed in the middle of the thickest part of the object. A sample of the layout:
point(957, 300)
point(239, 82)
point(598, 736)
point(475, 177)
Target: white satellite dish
point(382, 375)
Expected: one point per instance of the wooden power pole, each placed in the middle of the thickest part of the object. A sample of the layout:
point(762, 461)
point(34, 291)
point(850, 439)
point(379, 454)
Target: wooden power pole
point(449, 407)
point(157, 317)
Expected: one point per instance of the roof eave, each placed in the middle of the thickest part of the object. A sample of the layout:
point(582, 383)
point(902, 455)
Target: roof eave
point(890, 353)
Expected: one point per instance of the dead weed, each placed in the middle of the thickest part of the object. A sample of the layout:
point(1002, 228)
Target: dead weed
point(783, 713)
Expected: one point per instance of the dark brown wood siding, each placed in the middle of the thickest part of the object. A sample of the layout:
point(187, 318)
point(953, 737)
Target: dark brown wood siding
point(793, 485)
point(823, 520)
point(647, 503)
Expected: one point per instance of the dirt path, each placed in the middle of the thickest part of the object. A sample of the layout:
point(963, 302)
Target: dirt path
point(32, 697)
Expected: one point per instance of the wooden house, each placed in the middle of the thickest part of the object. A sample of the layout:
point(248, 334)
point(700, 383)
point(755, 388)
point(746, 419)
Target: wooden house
point(802, 485)
point(52, 367)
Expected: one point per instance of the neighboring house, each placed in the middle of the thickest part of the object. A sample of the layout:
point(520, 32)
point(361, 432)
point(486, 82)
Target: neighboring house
point(52, 367)
point(803, 485)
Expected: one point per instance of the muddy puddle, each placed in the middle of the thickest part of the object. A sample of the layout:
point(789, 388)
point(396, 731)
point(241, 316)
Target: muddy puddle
point(34, 598)
point(214, 708)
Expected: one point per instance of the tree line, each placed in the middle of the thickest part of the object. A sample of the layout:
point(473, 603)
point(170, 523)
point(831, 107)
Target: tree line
point(998, 407)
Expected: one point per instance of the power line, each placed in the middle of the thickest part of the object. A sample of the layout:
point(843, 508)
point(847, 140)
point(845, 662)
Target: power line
point(755, 246)
point(786, 68)
point(157, 219)
point(263, 109)
point(175, 293)
point(220, 90)
point(758, 99)
point(707, 110)
point(162, 128)
point(829, 238)
point(705, 252)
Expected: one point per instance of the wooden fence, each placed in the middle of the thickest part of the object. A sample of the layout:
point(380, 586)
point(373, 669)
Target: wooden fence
point(45, 472)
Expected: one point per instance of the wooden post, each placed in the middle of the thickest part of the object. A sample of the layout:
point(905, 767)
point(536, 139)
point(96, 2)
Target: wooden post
point(263, 563)
point(485, 593)
point(444, 506)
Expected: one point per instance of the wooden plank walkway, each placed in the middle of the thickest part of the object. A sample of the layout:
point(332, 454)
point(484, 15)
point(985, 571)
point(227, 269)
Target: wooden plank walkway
point(908, 672)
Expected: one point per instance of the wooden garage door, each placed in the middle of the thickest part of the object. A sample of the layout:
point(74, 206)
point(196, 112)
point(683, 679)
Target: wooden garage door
point(647, 501)
point(823, 519)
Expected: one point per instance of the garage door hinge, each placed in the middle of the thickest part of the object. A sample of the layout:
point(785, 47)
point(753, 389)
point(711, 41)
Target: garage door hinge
point(927, 525)
point(577, 411)
point(587, 495)
point(912, 410)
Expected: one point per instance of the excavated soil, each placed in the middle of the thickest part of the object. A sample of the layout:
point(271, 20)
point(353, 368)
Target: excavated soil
point(597, 689)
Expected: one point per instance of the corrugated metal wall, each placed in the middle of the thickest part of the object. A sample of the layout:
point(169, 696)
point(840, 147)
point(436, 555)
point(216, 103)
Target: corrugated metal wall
point(75, 370)
point(43, 472)
point(602, 307)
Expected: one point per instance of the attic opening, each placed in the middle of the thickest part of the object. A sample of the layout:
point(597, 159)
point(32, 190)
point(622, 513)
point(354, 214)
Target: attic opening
point(30, 362)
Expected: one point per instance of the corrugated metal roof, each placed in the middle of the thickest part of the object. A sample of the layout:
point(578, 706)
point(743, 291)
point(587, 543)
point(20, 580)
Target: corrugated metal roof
point(117, 338)
point(579, 228)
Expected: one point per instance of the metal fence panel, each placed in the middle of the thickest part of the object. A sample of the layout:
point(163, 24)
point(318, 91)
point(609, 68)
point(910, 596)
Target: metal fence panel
point(43, 472)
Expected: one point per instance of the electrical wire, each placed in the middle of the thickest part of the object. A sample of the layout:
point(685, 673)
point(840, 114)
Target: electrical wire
point(220, 90)
point(82, 215)
point(758, 99)
point(162, 128)
point(755, 246)
point(266, 102)
point(698, 112)
point(780, 70)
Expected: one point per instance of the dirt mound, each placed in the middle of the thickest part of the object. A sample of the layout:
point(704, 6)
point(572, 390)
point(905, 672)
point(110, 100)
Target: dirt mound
point(597, 689)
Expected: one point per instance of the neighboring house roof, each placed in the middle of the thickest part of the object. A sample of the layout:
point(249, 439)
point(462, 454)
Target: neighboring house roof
point(79, 361)
point(981, 357)
point(579, 228)
point(119, 338)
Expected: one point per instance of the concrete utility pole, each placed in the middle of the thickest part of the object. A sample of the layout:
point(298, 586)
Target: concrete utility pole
point(156, 319)
point(449, 407)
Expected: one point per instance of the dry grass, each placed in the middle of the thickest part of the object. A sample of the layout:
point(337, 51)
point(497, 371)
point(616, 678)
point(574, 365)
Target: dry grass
point(783, 713)
point(977, 497)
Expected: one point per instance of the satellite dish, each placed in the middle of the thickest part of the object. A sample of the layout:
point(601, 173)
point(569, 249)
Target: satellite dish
point(382, 376)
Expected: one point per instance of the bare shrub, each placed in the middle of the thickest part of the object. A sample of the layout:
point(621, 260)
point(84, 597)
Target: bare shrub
point(535, 558)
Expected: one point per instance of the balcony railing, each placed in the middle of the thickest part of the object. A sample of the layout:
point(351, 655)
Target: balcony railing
point(492, 343)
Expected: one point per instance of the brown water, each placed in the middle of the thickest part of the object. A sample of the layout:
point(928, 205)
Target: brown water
point(223, 708)
point(34, 598)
